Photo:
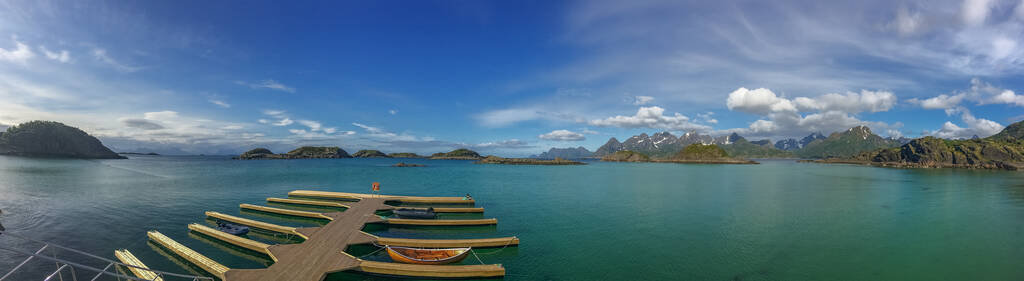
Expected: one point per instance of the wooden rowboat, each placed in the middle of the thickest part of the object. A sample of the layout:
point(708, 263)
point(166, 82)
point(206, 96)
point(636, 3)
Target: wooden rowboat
point(427, 256)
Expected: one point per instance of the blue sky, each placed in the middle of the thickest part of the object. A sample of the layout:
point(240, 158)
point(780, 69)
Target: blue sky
point(511, 78)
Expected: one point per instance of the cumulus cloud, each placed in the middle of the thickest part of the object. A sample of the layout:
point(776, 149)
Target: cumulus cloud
point(20, 54)
point(267, 84)
point(651, 117)
point(980, 93)
point(975, 127)
point(850, 102)
point(562, 135)
point(796, 117)
point(642, 100)
point(759, 101)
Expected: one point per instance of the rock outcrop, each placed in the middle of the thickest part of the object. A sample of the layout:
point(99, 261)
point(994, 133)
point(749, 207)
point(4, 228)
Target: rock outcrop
point(458, 154)
point(367, 153)
point(305, 152)
point(626, 156)
point(52, 139)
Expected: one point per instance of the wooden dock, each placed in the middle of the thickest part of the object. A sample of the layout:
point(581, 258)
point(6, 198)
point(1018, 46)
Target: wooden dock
point(403, 199)
point(322, 252)
point(194, 257)
point(140, 269)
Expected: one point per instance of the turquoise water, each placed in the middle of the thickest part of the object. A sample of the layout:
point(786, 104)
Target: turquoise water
point(605, 221)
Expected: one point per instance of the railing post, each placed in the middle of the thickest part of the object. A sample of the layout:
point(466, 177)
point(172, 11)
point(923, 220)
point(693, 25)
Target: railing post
point(101, 272)
point(23, 263)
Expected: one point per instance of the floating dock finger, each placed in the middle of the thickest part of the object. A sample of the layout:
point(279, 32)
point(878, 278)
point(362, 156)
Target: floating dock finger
point(288, 212)
point(405, 199)
point(257, 224)
point(308, 202)
point(446, 243)
point(193, 257)
point(140, 269)
point(448, 210)
point(440, 222)
point(231, 239)
point(432, 271)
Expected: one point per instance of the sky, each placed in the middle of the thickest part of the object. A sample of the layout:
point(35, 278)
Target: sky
point(512, 78)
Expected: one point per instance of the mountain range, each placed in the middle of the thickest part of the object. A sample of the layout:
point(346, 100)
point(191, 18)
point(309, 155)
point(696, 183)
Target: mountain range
point(840, 144)
point(565, 153)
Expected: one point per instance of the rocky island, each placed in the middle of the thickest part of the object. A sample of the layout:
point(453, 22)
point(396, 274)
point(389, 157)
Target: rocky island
point(1004, 150)
point(626, 156)
point(305, 152)
point(526, 161)
point(52, 139)
point(458, 154)
point(403, 164)
point(367, 153)
point(704, 154)
point(405, 155)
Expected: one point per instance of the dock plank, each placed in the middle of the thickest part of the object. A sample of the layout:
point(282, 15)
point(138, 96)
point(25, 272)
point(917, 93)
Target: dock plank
point(190, 255)
point(405, 199)
point(140, 270)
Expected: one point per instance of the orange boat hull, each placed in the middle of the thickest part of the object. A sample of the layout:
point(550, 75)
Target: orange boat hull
point(427, 256)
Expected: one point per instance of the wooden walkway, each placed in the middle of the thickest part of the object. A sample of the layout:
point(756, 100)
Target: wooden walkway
point(323, 251)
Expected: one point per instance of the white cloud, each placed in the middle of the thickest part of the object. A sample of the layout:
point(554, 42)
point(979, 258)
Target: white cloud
point(62, 56)
point(282, 118)
point(562, 135)
point(974, 12)
point(826, 113)
point(369, 129)
point(872, 101)
point(392, 112)
point(330, 130)
point(102, 56)
point(759, 101)
point(313, 125)
point(980, 92)
point(20, 54)
point(589, 131)
point(907, 22)
point(650, 117)
point(220, 103)
point(642, 100)
point(283, 122)
point(165, 115)
point(975, 127)
point(940, 102)
point(268, 84)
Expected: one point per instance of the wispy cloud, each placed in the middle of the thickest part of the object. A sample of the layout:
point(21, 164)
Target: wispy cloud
point(21, 53)
point(62, 56)
point(220, 103)
point(267, 84)
point(102, 56)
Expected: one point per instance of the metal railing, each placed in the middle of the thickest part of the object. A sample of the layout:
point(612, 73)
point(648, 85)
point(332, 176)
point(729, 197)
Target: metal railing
point(71, 269)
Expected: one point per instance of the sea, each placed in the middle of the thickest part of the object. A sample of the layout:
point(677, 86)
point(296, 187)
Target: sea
point(779, 220)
